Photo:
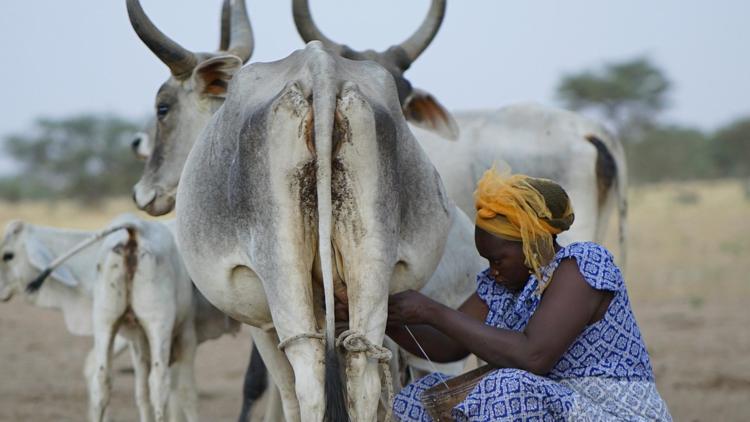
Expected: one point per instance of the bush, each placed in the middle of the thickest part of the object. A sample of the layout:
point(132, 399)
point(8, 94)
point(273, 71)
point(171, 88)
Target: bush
point(85, 157)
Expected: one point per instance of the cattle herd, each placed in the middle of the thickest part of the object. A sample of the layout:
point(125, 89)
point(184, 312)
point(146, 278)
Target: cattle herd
point(322, 175)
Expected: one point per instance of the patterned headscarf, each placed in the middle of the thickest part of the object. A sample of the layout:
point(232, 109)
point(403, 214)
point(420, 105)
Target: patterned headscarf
point(523, 209)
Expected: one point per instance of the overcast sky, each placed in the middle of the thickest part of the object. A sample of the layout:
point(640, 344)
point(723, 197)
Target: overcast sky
point(61, 58)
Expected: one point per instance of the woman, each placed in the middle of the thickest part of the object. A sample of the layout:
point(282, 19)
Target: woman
point(555, 320)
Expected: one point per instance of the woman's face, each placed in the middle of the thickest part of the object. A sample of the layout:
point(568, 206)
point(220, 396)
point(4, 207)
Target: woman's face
point(505, 257)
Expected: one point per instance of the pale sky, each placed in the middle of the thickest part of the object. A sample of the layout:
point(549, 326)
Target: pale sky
point(60, 58)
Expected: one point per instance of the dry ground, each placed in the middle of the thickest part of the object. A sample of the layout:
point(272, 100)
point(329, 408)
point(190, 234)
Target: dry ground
point(687, 274)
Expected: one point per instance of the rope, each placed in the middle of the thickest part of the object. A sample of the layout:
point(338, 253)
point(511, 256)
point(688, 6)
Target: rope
point(283, 344)
point(355, 341)
point(432, 365)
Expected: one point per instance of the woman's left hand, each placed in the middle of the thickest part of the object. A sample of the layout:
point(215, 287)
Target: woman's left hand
point(409, 307)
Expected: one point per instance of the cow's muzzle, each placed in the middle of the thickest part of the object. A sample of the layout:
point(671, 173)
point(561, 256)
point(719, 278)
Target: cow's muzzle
point(152, 200)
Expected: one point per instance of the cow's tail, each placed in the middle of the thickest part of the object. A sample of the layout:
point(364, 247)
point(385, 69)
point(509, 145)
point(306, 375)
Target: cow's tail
point(324, 109)
point(37, 283)
point(612, 176)
point(622, 204)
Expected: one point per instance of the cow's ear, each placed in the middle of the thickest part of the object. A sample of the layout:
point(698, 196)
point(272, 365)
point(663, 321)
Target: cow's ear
point(423, 110)
point(211, 77)
point(40, 257)
point(14, 228)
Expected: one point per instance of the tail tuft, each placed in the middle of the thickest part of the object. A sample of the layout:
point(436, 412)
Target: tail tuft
point(36, 284)
point(334, 389)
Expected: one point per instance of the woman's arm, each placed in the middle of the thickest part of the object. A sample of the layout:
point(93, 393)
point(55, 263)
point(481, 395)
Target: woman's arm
point(568, 304)
point(438, 346)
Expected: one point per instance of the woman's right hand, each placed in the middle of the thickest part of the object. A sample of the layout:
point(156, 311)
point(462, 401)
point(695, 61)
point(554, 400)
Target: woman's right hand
point(409, 308)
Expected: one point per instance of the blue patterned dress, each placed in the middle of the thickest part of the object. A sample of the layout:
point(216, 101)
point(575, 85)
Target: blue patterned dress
point(605, 375)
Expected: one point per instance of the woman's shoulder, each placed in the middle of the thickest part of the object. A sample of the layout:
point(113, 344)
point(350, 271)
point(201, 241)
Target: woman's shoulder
point(595, 263)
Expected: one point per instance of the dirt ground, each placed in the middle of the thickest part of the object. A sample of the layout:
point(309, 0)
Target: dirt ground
point(687, 274)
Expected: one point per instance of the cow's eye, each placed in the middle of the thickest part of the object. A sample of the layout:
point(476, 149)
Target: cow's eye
point(161, 110)
point(7, 256)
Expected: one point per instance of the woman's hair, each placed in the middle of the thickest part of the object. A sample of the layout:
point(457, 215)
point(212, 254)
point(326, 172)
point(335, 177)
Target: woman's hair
point(525, 209)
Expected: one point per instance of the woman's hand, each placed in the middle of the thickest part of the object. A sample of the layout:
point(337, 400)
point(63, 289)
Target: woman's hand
point(409, 307)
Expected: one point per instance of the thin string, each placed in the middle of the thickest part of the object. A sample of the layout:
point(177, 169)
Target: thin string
point(432, 365)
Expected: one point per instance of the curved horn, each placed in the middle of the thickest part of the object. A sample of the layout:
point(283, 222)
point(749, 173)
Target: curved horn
point(306, 26)
point(179, 60)
point(242, 43)
point(418, 42)
point(226, 21)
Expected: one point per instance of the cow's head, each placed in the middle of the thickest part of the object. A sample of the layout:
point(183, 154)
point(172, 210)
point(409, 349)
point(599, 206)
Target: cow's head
point(419, 107)
point(143, 142)
point(187, 100)
point(22, 258)
point(12, 255)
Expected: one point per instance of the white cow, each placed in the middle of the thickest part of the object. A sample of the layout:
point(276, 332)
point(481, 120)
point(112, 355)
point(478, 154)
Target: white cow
point(536, 140)
point(134, 285)
point(187, 100)
point(309, 175)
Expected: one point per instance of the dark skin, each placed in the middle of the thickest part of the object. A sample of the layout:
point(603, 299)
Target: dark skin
point(568, 305)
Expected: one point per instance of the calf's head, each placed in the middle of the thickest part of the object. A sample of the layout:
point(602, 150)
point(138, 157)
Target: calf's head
point(22, 257)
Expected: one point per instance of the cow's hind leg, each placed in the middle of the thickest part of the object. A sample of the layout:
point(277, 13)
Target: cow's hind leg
point(159, 334)
point(89, 367)
point(110, 304)
point(140, 357)
point(281, 372)
point(368, 311)
point(290, 299)
point(101, 382)
point(184, 367)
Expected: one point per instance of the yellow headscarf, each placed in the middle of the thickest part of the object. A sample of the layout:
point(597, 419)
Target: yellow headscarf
point(524, 209)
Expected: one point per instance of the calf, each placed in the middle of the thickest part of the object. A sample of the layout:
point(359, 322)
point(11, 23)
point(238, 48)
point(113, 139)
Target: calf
point(133, 285)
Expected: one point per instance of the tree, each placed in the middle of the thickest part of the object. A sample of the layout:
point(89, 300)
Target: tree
point(85, 157)
point(731, 148)
point(629, 95)
point(669, 153)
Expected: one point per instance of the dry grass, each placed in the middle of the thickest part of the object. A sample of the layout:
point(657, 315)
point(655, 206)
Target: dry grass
point(687, 273)
point(68, 214)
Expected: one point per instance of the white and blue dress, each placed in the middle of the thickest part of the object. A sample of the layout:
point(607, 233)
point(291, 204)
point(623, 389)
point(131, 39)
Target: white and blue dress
point(605, 375)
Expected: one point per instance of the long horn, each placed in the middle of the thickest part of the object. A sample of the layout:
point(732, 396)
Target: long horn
point(226, 21)
point(418, 42)
point(306, 26)
point(242, 42)
point(179, 60)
